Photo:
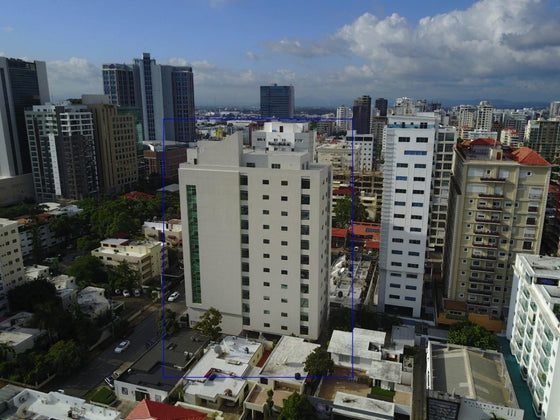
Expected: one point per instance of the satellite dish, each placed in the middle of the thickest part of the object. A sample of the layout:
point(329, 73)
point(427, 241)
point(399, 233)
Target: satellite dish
point(217, 349)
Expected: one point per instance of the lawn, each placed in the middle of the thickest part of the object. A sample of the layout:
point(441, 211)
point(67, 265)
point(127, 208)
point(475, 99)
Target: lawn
point(104, 396)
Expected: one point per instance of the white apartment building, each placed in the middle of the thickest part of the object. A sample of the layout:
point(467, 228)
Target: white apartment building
point(484, 115)
point(367, 145)
point(344, 118)
point(404, 216)
point(277, 136)
point(510, 137)
point(256, 237)
point(466, 116)
point(342, 155)
point(533, 329)
point(12, 272)
point(170, 229)
point(144, 257)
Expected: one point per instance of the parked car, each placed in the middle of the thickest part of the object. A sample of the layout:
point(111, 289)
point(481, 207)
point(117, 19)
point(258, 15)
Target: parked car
point(123, 345)
point(173, 297)
point(117, 291)
point(109, 380)
point(126, 293)
point(137, 292)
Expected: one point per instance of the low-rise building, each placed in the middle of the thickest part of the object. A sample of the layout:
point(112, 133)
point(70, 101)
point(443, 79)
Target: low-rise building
point(220, 376)
point(143, 257)
point(92, 301)
point(153, 410)
point(67, 290)
point(171, 229)
point(12, 272)
point(36, 272)
point(533, 329)
point(157, 373)
point(467, 383)
point(17, 336)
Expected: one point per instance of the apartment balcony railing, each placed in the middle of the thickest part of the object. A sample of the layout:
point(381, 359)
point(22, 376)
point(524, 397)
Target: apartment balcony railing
point(488, 208)
point(546, 347)
point(492, 179)
point(480, 292)
point(483, 257)
point(485, 195)
point(486, 245)
point(545, 363)
point(548, 334)
point(487, 232)
point(483, 220)
point(485, 269)
point(479, 280)
point(542, 378)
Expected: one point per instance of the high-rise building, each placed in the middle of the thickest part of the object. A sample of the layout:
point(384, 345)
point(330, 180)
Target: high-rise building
point(118, 84)
point(256, 236)
point(497, 209)
point(381, 105)
point(277, 101)
point(484, 116)
point(61, 140)
point(404, 217)
point(361, 114)
point(115, 145)
point(22, 84)
point(467, 116)
point(554, 109)
point(344, 118)
point(445, 142)
point(543, 136)
point(12, 273)
point(533, 329)
point(161, 91)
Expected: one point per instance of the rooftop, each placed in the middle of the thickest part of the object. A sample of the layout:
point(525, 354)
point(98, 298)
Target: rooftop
point(287, 358)
point(147, 409)
point(358, 407)
point(366, 343)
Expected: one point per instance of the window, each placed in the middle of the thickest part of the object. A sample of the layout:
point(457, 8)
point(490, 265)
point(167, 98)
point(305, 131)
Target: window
point(284, 198)
point(305, 183)
point(409, 265)
point(398, 240)
point(305, 215)
point(305, 199)
point(266, 284)
point(401, 178)
point(266, 312)
point(402, 165)
point(404, 139)
point(394, 296)
point(284, 183)
point(265, 197)
point(421, 139)
point(284, 272)
point(415, 229)
point(396, 264)
point(419, 165)
point(527, 245)
point(284, 228)
point(417, 204)
point(410, 287)
point(265, 181)
point(304, 288)
point(244, 224)
point(284, 258)
point(304, 259)
point(400, 191)
point(284, 213)
point(396, 275)
point(416, 217)
point(265, 212)
point(398, 227)
point(303, 330)
point(266, 324)
point(266, 226)
point(414, 241)
point(245, 294)
point(284, 243)
point(284, 300)
point(266, 270)
point(304, 317)
point(124, 390)
point(415, 153)
point(413, 253)
point(410, 298)
point(398, 216)
point(396, 252)
point(266, 297)
point(243, 180)
point(400, 203)
point(419, 178)
point(245, 281)
point(266, 255)
point(244, 239)
point(275, 166)
point(417, 192)
point(284, 314)
point(250, 164)
point(244, 253)
point(266, 241)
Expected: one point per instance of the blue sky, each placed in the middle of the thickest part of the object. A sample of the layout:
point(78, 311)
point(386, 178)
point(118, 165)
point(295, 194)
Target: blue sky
point(330, 51)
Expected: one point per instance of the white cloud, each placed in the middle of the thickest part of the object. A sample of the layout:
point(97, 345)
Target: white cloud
point(252, 55)
point(73, 77)
point(8, 28)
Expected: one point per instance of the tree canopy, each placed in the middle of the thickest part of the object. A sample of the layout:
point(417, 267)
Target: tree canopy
point(297, 407)
point(469, 334)
point(88, 269)
point(209, 324)
point(28, 295)
point(171, 322)
point(318, 363)
point(342, 211)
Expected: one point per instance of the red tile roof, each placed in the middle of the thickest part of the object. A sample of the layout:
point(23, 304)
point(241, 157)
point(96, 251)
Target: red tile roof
point(371, 230)
point(137, 194)
point(527, 156)
point(372, 244)
point(159, 411)
point(339, 233)
point(343, 191)
point(486, 141)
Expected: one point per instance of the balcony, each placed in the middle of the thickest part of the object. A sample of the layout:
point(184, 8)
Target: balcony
point(483, 220)
point(530, 332)
point(479, 268)
point(478, 280)
point(528, 346)
point(492, 179)
point(486, 245)
point(488, 208)
point(480, 292)
point(542, 378)
point(483, 257)
point(524, 305)
point(545, 363)
point(484, 195)
point(548, 334)
point(488, 232)
point(546, 347)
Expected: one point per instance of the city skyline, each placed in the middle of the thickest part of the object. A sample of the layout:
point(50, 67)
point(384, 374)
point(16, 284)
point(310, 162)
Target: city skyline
point(494, 49)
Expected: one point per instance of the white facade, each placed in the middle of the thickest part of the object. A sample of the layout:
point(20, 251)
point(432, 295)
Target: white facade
point(534, 329)
point(12, 272)
point(341, 155)
point(367, 146)
point(344, 117)
point(278, 136)
point(256, 238)
point(404, 217)
point(466, 116)
point(484, 117)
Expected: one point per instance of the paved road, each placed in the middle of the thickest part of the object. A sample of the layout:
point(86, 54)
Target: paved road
point(419, 385)
point(108, 361)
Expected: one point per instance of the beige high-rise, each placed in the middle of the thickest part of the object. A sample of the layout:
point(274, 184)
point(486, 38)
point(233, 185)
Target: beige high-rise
point(496, 209)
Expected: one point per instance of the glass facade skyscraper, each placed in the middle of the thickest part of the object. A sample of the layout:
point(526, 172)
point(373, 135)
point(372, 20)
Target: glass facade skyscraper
point(277, 101)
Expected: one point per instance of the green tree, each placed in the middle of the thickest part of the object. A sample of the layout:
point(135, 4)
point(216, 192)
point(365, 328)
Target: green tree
point(26, 296)
point(87, 270)
point(171, 322)
point(297, 407)
point(209, 324)
point(65, 357)
point(469, 334)
point(6, 351)
point(318, 363)
point(342, 212)
point(122, 276)
point(269, 405)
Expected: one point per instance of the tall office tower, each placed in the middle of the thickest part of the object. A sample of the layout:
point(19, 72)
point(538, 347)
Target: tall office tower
point(361, 114)
point(404, 216)
point(484, 117)
point(445, 141)
point(118, 84)
point(115, 145)
point(257, 238)
point(62, 143)
point(344, 118)
point(12, 273)
point(497, 209)
point(277, 101)
point(22, 84)
point(533, 329)
point(381, 105)
point(554, 109)
point(165, 92)
point(543, 136)
point(466, 116)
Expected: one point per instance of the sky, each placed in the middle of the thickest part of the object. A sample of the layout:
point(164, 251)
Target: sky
point(331, 52)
